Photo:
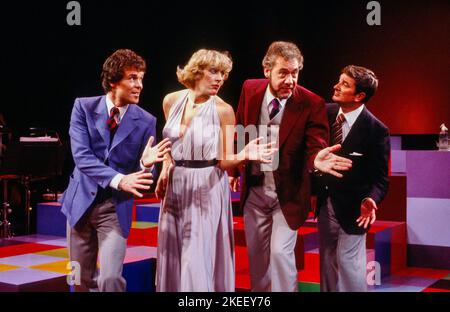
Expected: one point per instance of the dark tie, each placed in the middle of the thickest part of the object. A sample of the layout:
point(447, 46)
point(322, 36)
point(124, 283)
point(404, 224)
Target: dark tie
point(275, 108)
point(336, 130)
point(111, 122)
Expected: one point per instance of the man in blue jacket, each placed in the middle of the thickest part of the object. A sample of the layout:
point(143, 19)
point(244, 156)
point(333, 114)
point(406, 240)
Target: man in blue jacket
point(111, 141)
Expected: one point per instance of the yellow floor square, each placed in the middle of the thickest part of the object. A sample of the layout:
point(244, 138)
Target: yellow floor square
point(58, 266)
point(7, 267)
point(59, 253)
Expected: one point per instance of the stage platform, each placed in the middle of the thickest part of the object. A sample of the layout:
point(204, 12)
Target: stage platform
point(39, 262)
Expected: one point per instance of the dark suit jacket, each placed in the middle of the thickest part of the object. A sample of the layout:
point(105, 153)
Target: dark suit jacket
point(303, 133)
point(368, 176)
point(89, 137)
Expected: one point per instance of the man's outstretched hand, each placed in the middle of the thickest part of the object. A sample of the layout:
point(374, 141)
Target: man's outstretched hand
point(368, 215)
point(152, 155)
point(327, 162)
point(136, 181)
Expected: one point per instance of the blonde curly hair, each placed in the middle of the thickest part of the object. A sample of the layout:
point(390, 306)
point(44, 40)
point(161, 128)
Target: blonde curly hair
point(203, 59)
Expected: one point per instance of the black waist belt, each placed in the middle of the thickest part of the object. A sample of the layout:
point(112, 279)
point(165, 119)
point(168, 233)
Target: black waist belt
point(196, 163)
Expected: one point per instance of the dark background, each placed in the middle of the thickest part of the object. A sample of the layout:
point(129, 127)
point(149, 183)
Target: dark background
point(47, 64)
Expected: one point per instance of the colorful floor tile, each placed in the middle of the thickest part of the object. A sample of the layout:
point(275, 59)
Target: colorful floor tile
point(27, 265)
point(7, 267)
point(397, 283)
point(143, 225)
point(59, 253)
point(22, 249)
point(39, 238)
point(28, 260)
point(57, 266)
point(61, 242)
point(138, 253)
point(308, 287)
point(431, 289)
point(26, 275)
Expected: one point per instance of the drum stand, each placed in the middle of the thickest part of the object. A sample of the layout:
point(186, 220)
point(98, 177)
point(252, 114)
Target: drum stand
point(26, 184)
point(5, 225)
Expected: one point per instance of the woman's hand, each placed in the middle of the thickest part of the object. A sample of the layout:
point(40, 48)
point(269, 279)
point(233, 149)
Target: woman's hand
point(161, 185)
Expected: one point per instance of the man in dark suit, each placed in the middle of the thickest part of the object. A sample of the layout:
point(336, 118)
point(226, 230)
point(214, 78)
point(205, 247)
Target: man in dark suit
point(108, 136)
point(347, 206)
point(276, 197)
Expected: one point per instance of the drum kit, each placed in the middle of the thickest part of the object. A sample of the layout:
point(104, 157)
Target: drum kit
point(32, 158)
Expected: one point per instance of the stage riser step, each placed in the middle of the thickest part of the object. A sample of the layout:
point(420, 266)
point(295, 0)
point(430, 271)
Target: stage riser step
point(43, 268)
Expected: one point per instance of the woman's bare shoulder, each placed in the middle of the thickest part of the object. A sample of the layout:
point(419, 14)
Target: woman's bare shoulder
point(171, 98)
point(223, 107)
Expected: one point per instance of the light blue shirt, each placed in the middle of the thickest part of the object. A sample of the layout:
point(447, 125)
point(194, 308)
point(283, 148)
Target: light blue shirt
point(350, 119)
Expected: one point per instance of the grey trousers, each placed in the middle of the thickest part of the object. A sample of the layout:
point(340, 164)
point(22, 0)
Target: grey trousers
point(98, 233)
point(342, 256)
point(270, 243)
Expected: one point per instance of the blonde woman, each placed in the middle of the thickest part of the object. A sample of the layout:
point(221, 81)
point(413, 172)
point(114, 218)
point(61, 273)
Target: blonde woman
point(195, 238)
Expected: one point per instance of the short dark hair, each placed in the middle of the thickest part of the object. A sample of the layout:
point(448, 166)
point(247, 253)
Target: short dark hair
point(365, 80)
point(115, 65)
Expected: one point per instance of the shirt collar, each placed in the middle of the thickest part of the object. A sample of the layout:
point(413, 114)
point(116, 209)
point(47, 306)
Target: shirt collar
point(269, 97)
point(110, 105)
point(351, 117)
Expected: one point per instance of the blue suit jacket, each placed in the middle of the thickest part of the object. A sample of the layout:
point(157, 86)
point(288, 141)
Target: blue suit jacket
point(90, 138)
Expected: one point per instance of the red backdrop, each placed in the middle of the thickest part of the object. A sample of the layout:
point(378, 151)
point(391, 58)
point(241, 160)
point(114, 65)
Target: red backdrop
point(413, 64)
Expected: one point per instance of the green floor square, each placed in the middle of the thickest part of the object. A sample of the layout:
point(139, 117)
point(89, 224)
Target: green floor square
point(143, 225)
point(308, 287)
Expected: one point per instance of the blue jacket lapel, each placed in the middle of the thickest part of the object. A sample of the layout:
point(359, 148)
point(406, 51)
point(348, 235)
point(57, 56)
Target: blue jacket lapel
point(126, 126)
point(101, 117)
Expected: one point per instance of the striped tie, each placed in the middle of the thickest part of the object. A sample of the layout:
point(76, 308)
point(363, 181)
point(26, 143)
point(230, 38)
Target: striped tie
point(336, 130)
point(275, 108)
point(111, 122)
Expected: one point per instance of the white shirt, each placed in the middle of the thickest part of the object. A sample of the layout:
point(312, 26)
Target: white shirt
point(122, 109)
point(350, 119)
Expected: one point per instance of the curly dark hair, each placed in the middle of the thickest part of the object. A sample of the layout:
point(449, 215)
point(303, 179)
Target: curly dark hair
point(115, 65)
